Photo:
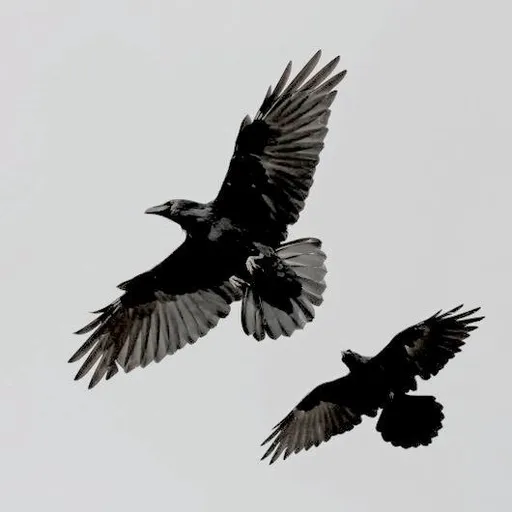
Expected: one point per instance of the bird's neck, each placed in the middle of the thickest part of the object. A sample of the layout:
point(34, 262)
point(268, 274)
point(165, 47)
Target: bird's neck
point(193, 220)
point(355, 364)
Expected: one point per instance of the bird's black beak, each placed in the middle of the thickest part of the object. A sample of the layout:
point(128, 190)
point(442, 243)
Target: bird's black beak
point(158, 210)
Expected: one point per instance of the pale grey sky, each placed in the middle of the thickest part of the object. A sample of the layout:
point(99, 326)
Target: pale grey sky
point(108, 107)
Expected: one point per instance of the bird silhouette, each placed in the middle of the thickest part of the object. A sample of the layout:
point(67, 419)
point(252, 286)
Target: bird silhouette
point(234, 247)
point(379, 382)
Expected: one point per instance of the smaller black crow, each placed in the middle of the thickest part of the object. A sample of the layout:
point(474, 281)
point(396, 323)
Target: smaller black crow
point(382, 381)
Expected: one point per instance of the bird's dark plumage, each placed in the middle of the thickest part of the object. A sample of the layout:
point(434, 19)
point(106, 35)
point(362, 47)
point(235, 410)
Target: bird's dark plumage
point(379, 382)
point(161, 311)
point(275, 156)
point(233, 248)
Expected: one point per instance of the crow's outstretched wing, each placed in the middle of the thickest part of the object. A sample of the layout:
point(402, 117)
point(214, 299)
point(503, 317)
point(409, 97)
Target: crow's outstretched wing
point(330, 409)
point(425, 348)
point(276, 154)
point(161, 311)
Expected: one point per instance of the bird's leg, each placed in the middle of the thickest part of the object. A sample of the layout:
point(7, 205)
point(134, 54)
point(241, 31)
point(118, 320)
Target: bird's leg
point(251, 264)
point(238, 282)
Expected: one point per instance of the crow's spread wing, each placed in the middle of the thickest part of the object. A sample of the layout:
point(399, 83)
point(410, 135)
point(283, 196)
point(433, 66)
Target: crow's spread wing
point(330, 409)
point(276, 154)
point(161, 311)
point(425, 348)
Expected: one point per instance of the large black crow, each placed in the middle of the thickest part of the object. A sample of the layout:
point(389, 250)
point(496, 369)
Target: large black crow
point(233, 247)
point(382, 381)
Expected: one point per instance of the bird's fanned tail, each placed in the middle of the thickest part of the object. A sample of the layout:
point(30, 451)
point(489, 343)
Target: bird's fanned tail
point(296, 286)
point(410, 420)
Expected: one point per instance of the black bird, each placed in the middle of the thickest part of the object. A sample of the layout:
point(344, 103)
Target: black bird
point(234, 244)
point(382, 381)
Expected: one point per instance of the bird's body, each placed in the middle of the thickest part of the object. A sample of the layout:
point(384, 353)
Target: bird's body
point(225, 248)
point(234, 246)
point(204, 222)
point(379, 382)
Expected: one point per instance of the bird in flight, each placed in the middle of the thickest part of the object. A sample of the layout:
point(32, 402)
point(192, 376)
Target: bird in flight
point(379, 382)
point(234, 246)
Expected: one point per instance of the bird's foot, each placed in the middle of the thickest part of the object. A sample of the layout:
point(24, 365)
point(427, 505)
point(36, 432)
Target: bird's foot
point(251, 264)
point(237, 282)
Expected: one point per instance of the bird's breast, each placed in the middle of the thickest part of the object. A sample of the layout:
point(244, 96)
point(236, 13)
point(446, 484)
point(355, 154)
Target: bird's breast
point(225, 231)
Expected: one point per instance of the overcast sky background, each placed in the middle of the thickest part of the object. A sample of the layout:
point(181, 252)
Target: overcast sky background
point(109, 107)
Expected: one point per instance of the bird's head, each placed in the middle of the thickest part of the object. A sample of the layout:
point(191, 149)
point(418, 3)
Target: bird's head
point(352, 359)
point(180, 211)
